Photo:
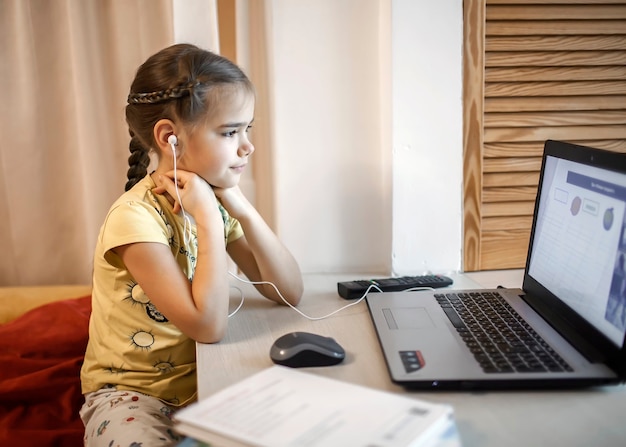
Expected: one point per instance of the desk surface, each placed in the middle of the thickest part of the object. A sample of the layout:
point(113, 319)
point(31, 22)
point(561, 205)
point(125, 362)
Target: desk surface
point(572, 418)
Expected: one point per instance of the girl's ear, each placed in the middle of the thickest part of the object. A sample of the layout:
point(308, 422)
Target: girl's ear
point(163, 129)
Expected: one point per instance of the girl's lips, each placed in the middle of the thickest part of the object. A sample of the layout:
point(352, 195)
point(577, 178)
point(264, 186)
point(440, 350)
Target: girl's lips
point(238, 168)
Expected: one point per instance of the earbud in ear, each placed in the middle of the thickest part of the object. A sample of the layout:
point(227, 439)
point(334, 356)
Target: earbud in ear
point(172, 140)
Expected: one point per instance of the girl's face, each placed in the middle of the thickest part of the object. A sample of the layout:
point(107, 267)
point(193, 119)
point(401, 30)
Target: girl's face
point(218, 150)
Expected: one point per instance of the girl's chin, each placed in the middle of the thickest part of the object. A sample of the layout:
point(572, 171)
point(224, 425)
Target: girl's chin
point(224, 184)
point(220, 182)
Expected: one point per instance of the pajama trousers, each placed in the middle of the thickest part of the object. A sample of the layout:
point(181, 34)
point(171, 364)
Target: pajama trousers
point(119, 418)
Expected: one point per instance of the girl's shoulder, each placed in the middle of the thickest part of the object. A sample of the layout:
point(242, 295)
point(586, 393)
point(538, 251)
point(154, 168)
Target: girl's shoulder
point(141, 191)
point(140, 194)
point(137, 204)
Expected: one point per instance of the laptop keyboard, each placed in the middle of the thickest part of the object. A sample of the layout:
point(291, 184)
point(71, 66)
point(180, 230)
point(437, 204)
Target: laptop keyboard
point(499, 338)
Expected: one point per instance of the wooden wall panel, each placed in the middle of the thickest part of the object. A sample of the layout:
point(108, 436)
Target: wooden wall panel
point(473, 106)
point(533, 70)
point(503, 248)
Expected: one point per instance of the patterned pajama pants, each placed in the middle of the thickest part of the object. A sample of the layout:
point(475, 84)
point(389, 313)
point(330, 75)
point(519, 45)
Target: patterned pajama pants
point(118, 418)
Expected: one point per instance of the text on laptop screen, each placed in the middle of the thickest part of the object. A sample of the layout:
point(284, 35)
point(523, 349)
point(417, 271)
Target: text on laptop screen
point(579, 246)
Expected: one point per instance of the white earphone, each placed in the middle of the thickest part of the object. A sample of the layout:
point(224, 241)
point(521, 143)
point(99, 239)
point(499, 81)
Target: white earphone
point(173, 141)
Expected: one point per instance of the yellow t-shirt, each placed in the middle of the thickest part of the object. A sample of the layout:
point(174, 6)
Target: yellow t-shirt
point(131, 344)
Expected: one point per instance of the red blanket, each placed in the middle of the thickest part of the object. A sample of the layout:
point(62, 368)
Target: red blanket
point(41, 353)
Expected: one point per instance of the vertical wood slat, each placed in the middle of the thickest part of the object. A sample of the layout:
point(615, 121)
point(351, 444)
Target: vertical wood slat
point(473, 55)
point(227, 20)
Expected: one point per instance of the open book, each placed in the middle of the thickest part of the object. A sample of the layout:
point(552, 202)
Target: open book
point(283, 407)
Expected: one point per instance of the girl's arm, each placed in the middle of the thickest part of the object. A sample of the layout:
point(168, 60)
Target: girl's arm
point(259, 253)
point(198, 308)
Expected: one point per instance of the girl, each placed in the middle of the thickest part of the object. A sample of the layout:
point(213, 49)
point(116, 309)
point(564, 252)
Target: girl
point(160, 279)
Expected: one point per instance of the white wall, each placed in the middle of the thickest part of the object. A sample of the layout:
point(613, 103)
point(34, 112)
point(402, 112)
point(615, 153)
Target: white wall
point(427, 135)
point(195, 21)
point(352, 195)
point(333, 188)
point(367, 126)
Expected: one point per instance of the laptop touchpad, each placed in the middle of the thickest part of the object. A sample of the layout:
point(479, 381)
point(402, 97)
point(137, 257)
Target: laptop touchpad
point(408, 318)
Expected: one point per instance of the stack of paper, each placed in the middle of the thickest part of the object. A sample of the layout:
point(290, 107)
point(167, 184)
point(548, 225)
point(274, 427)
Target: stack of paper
point(283, 407)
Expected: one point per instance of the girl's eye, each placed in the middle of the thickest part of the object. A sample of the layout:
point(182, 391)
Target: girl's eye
point(232, 133)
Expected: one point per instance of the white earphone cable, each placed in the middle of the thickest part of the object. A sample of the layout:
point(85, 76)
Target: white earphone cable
point(372, 286)
point(186, 220)
point(187, 238)
point(240, 302)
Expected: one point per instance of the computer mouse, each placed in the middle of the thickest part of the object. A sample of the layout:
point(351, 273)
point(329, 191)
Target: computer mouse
point(302, 349)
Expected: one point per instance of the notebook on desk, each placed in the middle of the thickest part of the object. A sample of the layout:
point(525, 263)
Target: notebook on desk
point(564, 328)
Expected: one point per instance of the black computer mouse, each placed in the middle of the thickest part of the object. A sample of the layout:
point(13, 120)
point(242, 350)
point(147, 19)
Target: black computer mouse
point(301, 349)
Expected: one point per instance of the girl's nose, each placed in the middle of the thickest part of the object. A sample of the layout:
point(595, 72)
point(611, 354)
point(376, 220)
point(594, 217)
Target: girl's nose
point(246, 148)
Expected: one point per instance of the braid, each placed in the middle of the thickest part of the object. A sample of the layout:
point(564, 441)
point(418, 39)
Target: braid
point(138, 162)
point(163, 95)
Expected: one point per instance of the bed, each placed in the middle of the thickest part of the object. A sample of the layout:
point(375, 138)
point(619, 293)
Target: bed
point(43, 335)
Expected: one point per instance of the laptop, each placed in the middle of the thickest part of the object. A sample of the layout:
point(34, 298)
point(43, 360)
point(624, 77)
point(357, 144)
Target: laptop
point(563, 329)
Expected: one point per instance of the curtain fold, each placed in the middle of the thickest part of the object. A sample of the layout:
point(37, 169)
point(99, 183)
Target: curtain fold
point(66, 67)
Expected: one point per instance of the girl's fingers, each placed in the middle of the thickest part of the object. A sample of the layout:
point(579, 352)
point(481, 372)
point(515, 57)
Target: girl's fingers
point(167, 185)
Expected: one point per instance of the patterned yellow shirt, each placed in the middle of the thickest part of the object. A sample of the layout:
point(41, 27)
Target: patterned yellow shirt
point(131, 344)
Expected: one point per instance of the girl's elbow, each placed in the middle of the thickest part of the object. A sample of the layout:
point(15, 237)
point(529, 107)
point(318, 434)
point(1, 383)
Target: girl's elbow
point(295, 296)
point(209, 339)
point(210, 335)
point(286, 297)
point(296, 300)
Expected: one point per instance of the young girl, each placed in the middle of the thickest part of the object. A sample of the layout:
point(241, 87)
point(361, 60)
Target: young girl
point(161, 279)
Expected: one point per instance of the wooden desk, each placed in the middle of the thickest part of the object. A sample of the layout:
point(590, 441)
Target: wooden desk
point(542, 418)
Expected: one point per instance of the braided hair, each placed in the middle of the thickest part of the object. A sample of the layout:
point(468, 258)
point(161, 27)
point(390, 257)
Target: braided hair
point(182, 83)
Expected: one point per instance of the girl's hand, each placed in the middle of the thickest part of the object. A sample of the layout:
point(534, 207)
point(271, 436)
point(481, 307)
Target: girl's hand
point(234, 201)
point(196, 195)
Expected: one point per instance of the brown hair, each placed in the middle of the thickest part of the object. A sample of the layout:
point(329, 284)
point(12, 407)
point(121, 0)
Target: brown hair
point(182, 83)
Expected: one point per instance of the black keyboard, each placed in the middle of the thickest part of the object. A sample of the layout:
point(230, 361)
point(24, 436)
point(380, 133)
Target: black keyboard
point(499, 338)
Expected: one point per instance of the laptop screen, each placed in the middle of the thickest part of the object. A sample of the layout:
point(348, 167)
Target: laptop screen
point(578, 248)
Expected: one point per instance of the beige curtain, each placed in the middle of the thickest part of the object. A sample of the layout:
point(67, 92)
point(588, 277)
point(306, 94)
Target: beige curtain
point(65, 70)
